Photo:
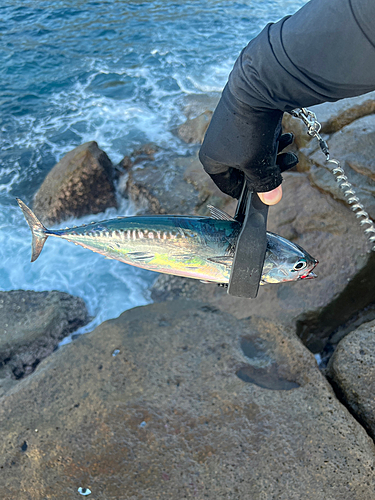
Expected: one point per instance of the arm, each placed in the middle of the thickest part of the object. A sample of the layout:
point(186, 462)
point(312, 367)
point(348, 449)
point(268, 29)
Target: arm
point(324, 52)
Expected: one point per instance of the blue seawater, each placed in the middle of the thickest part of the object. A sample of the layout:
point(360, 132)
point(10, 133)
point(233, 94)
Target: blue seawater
point(116, 72)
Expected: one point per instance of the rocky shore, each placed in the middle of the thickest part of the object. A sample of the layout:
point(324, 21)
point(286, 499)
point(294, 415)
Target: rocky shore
point(202, 395)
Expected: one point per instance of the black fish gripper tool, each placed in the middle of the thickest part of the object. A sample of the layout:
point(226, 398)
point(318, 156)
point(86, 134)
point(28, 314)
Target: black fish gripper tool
point(251, 245)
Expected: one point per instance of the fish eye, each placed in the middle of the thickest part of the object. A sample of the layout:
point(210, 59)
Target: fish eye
point(301, 264)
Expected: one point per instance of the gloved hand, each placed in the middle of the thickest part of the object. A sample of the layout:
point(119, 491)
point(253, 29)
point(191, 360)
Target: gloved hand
point(243, 142)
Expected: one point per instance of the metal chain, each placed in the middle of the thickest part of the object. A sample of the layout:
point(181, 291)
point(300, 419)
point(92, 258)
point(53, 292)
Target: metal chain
point(313, 129)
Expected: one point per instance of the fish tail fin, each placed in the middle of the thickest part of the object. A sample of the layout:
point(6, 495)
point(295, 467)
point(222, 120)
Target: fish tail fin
point(38, 231)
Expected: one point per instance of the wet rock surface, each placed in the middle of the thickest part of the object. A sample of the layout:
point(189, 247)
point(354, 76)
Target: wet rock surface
point(352, 373)
point(151, 405)
point(145, 153)
point(194, 105)
point(31, 326)
point(181, 187)
point(160, 189)
point(194, 129)
point(208, 192)
point(81, 183)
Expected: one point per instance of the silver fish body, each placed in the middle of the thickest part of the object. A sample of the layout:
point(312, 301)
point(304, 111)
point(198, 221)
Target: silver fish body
point(188, 246)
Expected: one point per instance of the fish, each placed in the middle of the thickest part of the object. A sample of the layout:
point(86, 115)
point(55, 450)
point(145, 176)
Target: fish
point(195, 247)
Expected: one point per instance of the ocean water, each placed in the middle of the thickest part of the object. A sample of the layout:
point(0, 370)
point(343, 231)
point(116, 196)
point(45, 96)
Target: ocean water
point(116, 72)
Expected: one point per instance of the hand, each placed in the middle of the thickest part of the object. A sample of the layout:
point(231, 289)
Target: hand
point(271, 197)
point(244, 142)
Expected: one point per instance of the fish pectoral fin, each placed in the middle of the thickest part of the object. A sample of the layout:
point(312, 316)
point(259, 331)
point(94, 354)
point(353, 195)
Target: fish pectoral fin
point(218, 214)
point(141, 256)
point(225, 260)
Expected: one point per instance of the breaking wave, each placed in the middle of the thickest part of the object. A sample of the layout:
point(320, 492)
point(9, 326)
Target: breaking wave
point(116, 72)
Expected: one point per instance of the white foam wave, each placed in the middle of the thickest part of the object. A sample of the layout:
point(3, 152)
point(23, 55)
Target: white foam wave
point(108, 287)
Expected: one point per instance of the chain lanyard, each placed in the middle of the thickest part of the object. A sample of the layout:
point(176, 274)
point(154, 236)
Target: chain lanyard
point(313, 129)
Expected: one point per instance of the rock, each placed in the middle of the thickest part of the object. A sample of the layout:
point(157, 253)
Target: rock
point(144, 153)
point(181, 187)
point(31, 326)
point(193, 130)
point(333, 116)
point(352, 373)
point(157, 188)
point(209, 193)
point(298, 129)
point(314, 309)
point(354, 147)
point(178, 400)
point(167, 287)
point(195, 104)
point(6, 383)
point(80, 184)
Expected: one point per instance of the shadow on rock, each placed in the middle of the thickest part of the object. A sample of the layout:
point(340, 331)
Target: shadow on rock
point(168, 417)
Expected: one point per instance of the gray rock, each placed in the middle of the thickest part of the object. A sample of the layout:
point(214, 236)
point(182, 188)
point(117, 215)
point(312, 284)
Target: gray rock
point(31, 326)
point(209, 193)
point(315, 308)
point(178, 400)
point(157, 188)
point(144, 153)
point(354, 147)
point(352, 373)
point(80, 183)
point(299, 130)
point(181, 187)
point(193, 130)
point(333, 116)
point(195, 104)
point(167, 287)
point(6, 382)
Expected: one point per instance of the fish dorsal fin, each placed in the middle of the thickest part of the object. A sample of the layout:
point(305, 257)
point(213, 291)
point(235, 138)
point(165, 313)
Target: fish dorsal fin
point(216, 213)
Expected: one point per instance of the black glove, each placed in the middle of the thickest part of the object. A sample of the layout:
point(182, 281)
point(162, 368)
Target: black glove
point(242, 141)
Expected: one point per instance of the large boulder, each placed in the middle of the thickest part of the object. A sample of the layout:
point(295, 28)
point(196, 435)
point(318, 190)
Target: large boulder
point(179, 186)
point(332, 116)
point(195, 104)
point(315, 308)
point(178, 400)
point(81, 183)
point(31, 326)
point(194, 129)
point(208, 192)
point(154, 187)
point(351, 371)
point(354, 147)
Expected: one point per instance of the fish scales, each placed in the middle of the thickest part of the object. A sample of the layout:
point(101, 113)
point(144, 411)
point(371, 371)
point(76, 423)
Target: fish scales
point(189, 246)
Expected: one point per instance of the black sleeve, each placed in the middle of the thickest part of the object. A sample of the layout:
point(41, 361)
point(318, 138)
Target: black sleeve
point(324, 52)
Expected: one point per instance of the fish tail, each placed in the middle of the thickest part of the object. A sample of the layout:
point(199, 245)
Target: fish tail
point(38, 231)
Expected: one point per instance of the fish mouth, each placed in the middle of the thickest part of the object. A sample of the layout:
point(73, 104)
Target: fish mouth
point(310, 275)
